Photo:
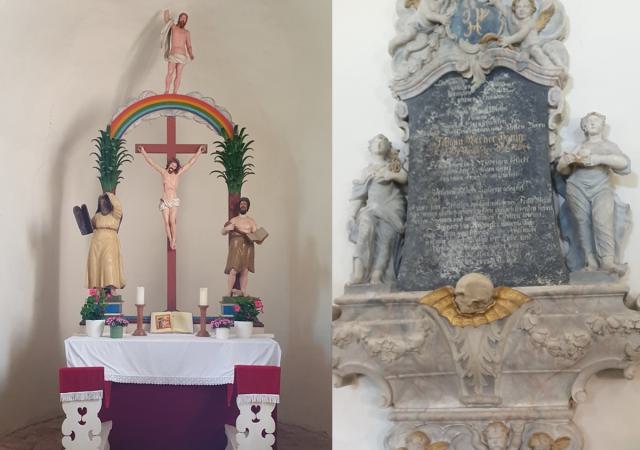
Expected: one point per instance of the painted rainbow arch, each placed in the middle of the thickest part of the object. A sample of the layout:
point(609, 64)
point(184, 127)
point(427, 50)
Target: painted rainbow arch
point(134, 112)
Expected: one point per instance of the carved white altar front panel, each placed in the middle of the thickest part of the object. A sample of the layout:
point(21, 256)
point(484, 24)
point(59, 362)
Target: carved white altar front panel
point(82, 429)
point(255, 425)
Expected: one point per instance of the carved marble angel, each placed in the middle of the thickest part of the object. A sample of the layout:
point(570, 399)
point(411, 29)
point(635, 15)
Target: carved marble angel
point(542, 441)
point(498, 436)
point(421, 26)
point(533, 32)
point(420, 441)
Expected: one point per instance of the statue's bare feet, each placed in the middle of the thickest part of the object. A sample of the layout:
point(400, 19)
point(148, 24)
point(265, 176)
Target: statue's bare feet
point(357, 277)
point(592, 264)
point(173, 244)
point(614, 269)
point(376, 277)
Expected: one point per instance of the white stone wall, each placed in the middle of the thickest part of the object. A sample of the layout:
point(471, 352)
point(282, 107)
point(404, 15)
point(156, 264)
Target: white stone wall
point(67, 65)
point(602, 46)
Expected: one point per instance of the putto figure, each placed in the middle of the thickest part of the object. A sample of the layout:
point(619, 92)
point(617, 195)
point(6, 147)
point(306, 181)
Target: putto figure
point(599, 217)
point(421, 28)
point(526, 28)
point(170, 202)
point(542, 441)
point(176, 44)
point(377, 214)
point(497, 436)
point(418, 440)
point(104, 263)
point(240, 260)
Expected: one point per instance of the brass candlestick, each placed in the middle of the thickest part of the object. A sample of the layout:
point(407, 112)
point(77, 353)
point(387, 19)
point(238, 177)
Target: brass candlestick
point(203, 322)
point(139, 330)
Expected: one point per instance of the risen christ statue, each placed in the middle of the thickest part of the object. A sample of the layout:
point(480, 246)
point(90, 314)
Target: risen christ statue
point(176, 44)
point(169, 202)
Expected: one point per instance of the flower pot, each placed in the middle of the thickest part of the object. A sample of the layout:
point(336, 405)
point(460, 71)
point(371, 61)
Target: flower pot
point(94, 328)
point(243, 329)
point(116, 332)
point(222, 333)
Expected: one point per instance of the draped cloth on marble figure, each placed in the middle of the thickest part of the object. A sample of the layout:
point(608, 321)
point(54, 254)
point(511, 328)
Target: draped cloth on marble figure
point(379, 223)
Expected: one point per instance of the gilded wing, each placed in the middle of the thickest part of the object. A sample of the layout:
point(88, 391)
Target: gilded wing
point(545, 17)
point(507, 301)
point(442, 300)
point(561, 443)
point(438, 446)
point(489, 37)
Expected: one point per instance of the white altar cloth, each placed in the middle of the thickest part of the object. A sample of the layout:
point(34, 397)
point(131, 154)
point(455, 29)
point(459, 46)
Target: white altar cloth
point(170, 359)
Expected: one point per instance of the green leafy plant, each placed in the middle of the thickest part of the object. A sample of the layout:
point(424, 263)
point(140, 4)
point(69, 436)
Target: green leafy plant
point(111, 154)
point(234, 158)
point(247, 309)
point(93, 309)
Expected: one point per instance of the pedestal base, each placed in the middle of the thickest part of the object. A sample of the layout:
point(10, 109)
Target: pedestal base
point(520, 376)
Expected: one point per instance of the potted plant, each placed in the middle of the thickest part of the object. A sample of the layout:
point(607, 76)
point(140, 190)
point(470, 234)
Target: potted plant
point(116, 324)
point(246, 312)
point(233, 155)
point(92, 312)
point(221, 325)
point(110, 154)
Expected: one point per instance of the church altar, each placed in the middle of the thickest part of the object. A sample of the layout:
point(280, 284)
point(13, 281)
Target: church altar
point(176, 391)
point(171, 359)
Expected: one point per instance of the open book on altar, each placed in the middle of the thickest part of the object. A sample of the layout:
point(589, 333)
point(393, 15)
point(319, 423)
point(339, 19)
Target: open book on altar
point(171, 322)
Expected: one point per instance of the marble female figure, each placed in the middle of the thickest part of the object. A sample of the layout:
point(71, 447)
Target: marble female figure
point(377, 213)
point(590, 195)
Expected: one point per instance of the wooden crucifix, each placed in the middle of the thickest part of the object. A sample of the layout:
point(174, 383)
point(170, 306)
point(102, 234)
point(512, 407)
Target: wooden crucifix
point(171, 149)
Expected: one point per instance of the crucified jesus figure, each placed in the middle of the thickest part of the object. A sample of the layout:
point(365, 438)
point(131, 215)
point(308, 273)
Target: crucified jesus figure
point(176, 43)
point(170, 202)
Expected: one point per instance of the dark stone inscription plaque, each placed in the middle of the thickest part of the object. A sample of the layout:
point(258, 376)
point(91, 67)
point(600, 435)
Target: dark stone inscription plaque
point(480, 196)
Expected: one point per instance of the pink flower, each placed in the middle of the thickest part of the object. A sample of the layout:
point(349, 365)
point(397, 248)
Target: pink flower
point(258, 303)
point(236, 308)
point(93, 291)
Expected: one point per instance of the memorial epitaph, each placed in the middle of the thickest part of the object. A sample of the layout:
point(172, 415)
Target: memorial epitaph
point(480, 196)
point(472, 364)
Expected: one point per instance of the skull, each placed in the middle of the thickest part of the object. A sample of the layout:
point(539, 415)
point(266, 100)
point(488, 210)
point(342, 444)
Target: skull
point(474, 294)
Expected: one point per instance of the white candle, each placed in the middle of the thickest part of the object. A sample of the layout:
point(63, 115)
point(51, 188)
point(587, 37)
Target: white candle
point(203, 297)
point(140, 297)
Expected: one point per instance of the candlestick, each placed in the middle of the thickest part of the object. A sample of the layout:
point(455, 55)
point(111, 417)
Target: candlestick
point(140, 296)
point(139, 330)
point(203, 297)
point(203, 322)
